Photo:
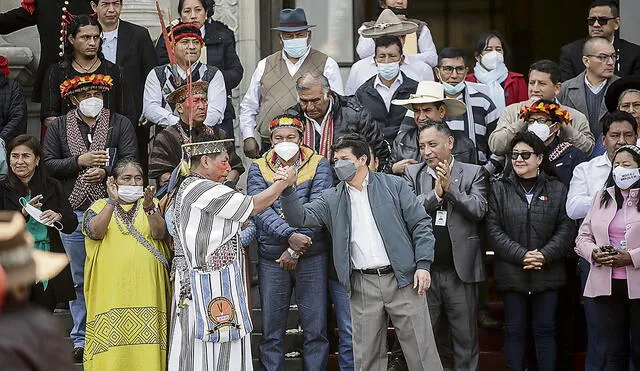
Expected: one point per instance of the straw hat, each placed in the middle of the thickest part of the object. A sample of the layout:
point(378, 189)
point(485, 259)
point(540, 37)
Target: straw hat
point(389, 24)
point(432, 92)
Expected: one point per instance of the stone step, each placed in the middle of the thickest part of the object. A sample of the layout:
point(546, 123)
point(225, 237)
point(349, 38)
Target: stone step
point(293, 342)
point(292, 319)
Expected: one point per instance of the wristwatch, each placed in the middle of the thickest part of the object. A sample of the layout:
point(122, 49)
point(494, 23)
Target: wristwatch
point(293, 253)
point(151, 211)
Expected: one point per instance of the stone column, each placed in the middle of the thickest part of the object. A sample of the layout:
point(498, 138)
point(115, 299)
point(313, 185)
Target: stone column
point(630, 20)
point(143, 13)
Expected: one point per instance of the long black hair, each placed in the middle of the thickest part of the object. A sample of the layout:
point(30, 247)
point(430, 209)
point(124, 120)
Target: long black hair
point(606, 197)
point(539, 149)
point(482, 42)
point(37, 182)
point(72, 30)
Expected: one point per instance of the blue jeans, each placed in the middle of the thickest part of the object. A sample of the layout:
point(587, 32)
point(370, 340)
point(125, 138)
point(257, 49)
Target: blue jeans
point(596, 356)
point(543, 307)
point(343, 318)
point(276, 285)
point(74, 246)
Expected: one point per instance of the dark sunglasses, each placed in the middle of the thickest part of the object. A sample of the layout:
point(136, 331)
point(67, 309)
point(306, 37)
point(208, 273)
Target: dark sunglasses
point(601, 20)
point(525, 155)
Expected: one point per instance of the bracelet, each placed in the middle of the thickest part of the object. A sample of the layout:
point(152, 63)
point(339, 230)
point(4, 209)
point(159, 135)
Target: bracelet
point(293, 253)
point(151, 211)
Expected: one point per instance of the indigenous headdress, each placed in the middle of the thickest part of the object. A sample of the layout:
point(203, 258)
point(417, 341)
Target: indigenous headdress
point(182, 30)
point(182, 93)
point(286, 122)
point(552, 109)
point(84, 83)
point(23, 264)
point(389, 24)
point(189, 150)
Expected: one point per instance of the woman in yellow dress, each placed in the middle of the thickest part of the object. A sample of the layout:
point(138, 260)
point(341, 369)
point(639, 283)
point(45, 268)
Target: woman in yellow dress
point(126, 285)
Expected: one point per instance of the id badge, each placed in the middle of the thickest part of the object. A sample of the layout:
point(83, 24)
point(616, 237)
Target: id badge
point(441, 218)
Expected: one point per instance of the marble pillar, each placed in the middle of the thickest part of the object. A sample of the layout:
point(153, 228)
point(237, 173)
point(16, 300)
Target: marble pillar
point(144, 13)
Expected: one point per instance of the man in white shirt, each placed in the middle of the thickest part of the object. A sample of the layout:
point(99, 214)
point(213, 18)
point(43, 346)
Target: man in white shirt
point(163, 80)
point(272, 88)
point(387, 24)
point(619, 129)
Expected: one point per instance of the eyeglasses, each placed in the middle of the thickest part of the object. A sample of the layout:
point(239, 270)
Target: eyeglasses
point(525, 155)
point(449, 69)
point(601, 20)
point(540, 121)
point(604, 57)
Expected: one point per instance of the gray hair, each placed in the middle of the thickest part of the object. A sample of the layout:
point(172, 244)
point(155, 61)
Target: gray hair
point(310, 80)
point(121, 165)
point(625, 93)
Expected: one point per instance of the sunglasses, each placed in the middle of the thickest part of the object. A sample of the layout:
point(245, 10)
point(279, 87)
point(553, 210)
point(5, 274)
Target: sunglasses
point(601, 20)
point(525, 155)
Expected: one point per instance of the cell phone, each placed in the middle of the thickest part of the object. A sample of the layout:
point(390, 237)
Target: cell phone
point(112, 156)
point(608, 249)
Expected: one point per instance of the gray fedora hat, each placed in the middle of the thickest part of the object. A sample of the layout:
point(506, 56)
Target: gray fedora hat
point(293, 20)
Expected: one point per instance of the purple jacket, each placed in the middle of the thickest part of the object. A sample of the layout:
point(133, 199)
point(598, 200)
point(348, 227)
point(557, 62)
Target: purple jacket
point(594, 233)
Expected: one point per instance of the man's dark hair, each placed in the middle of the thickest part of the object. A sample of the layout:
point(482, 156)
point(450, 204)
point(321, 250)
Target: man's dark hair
point(617, 116)
point(482, 42)
point(72, 30)
point(547, 66)
point(439, 125)
point(613, 5)
point(356, 142)
point(386, 41)
point(451, 52)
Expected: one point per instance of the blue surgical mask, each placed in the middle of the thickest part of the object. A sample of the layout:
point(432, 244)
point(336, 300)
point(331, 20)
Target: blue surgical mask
point(453, 90)
point(295, 48)
point(389, 70)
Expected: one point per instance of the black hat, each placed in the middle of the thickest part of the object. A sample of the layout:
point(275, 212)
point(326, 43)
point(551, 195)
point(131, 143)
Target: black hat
point(293, 20)
point(617, 88)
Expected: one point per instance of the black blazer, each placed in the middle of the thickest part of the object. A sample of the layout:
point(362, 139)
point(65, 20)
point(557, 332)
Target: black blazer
point(135, 57)
point(53, 199)
point(627, 64)
point(47, 18)
point(221, 53)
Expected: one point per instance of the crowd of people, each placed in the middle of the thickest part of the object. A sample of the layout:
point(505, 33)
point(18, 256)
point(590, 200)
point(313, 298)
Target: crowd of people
point(380, 198)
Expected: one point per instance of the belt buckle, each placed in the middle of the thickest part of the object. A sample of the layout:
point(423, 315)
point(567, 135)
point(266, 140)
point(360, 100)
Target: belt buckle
point(378, 271)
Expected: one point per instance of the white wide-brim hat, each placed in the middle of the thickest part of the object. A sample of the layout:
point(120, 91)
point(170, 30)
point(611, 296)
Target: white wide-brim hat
point(432, 92)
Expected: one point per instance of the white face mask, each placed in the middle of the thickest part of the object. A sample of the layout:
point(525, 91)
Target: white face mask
point(36, 213)
point(491, 60)
point(542, 131)
point(91, 107)
point(130, 194)
point(295, 48)
point(625, 177)
point(286, 150)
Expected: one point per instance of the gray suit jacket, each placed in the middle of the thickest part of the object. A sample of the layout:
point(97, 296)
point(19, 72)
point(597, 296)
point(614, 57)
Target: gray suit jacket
point(466, 207)
point(572, 94)
point(402, 222)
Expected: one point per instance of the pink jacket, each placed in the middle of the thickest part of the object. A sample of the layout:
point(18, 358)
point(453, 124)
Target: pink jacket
point(594, 233)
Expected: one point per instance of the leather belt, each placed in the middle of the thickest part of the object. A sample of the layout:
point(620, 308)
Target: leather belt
point(379, 271)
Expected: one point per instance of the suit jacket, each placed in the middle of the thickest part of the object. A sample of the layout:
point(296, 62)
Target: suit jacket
point(47, 18)
point(628, 63)
point(135, 57)
point(466, 206)
point(572, 94)
point(594, 232)
point(403, 224)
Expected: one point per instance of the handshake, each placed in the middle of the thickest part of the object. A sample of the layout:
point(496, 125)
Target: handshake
point(286, 174)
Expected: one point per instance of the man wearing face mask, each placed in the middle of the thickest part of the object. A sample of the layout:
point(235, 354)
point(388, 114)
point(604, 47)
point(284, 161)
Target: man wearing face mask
point(544, 119)
point(78, 148)
point(382, 251)
point(481, 115)
point(291, 258)
point(390, 83)
point(544, 83)
point(166, 151)
point(164, 79)
point(618, 129)
point(272, 87)
point(387, 24)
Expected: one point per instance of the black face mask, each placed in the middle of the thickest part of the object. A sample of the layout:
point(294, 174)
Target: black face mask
point(398, 11)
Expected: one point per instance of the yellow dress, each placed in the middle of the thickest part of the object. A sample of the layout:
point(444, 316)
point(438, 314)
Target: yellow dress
point(127, 292)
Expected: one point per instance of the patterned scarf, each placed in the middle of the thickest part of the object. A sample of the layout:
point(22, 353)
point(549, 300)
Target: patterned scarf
point(559, 150)
point(326, 136)
point(83, 191)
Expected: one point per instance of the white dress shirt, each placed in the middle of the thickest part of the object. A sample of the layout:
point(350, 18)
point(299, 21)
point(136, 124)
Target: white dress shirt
point(367, 247)
point(364, 69)
point(387, 92)
point(588, 178)
point(110, 45)
point(250, 105)
point(427, 49)
point(158, 111)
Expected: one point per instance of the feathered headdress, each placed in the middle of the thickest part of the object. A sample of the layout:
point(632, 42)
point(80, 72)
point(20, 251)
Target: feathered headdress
point(552, 109)
point(84, 83)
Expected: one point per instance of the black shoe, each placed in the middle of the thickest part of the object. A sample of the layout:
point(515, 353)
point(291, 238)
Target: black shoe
point(487, 322)
point(397, 363)
point(78, 354)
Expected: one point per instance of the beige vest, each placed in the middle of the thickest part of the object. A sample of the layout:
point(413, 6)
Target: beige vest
point(278, 87)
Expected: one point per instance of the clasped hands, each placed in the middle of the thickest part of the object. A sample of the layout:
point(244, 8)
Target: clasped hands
point(533, 260)
point(287, 174)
